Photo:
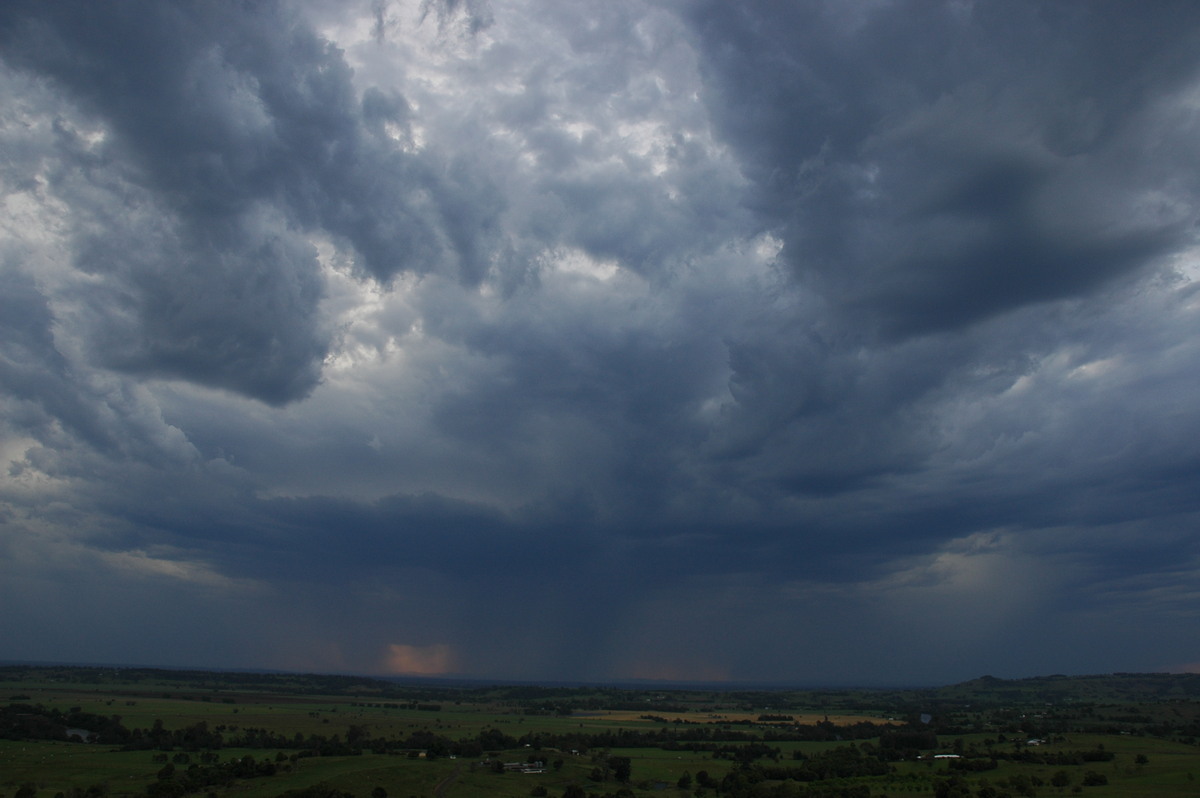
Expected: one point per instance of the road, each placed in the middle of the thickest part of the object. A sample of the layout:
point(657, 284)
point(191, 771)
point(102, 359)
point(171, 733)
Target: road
point(440, 790)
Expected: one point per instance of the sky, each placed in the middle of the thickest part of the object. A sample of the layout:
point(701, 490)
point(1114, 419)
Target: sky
point(780, 342)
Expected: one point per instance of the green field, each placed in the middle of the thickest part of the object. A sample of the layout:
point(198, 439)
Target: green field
point(262, 735)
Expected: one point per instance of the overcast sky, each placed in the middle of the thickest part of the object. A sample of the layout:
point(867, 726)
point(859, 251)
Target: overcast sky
point(797, 342)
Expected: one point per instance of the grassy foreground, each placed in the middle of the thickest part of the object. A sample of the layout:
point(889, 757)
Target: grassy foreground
point(91, 733)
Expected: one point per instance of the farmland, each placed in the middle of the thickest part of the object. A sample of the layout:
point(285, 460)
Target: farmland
point(105, 732)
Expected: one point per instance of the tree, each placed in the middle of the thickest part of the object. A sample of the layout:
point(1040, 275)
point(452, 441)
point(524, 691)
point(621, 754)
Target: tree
point(685, 781)
point(954, 787)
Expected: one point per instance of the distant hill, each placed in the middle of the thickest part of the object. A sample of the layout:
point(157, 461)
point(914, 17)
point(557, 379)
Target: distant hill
point(1111, 687)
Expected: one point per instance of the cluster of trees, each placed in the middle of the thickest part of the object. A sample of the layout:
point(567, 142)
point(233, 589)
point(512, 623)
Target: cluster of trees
point(1031, 756)
point(845, 761)
point(1040, 756)
point(906, 742)
point(797, 780)
point(1022, 785)
point(396, 705)
point(709, 737)
point(30, 790)
point(35, 722)
point(731, 788)
point(320, 790)
point(617, 767)
point(173, 782)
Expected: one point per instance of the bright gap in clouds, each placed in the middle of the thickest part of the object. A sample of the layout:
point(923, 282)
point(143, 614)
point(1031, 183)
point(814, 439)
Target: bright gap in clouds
point(357, 308)
point(575, 261)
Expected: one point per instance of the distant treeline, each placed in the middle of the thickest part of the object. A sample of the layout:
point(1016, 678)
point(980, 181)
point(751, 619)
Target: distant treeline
point(291, 683)
point(984, 692)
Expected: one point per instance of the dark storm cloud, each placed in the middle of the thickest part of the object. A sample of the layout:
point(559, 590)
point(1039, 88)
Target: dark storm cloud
point(230, 130)
point(51, 401)
point(33, 369)
point(930, 165)
point(553, 338)
point(936, 172)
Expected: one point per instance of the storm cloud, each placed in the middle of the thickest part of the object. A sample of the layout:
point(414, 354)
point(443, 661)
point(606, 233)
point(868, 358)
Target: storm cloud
point(677, 340)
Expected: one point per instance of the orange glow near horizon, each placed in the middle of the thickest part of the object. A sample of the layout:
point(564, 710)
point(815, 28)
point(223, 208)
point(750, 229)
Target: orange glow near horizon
point(433, 660)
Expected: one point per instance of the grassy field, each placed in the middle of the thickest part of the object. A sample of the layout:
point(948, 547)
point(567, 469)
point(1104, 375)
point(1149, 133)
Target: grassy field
point(563, 730)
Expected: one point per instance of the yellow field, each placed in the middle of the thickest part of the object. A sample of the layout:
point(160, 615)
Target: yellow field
point(736, 717)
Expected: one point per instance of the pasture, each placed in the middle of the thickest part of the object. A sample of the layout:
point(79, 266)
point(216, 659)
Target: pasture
point(261, 736)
